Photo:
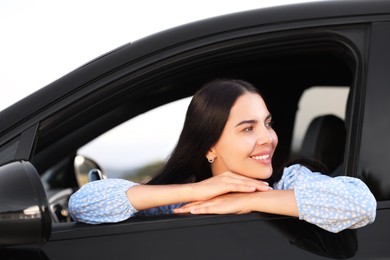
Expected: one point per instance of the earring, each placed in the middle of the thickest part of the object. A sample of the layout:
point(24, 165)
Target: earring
point(211, 160)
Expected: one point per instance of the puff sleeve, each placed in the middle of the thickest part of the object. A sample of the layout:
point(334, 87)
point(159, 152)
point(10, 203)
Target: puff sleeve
point(103, 201)
point(333, 204)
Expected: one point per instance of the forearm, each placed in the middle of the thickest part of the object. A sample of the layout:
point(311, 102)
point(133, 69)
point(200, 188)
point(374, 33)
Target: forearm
point(280, 202)
point(273, 201)
point(150, 196)
point(114, 200)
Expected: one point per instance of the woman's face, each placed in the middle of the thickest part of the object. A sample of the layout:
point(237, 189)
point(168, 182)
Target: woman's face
point(248, 141)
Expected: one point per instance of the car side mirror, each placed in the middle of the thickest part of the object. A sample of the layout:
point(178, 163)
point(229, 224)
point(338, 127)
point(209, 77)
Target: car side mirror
point(24, 211)
point(86, 168)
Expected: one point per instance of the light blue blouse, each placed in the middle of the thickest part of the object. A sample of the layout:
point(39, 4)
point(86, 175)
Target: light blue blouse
point(333, 204)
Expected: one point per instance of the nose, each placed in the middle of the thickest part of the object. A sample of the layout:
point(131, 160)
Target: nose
point(265, 136)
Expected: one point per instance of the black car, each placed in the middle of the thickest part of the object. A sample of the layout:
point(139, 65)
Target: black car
point(334, 52)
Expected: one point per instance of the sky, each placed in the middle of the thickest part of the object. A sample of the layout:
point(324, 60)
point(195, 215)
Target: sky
point(42, 40)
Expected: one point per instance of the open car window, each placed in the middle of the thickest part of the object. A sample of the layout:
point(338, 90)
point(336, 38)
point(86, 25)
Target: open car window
point(315, 102)
point(136, 149)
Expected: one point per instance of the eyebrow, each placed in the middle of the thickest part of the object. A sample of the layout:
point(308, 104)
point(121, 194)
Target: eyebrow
point(252, 121)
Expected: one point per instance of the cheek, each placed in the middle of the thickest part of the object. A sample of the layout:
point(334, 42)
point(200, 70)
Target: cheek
point(275, 139)
point(232, 148)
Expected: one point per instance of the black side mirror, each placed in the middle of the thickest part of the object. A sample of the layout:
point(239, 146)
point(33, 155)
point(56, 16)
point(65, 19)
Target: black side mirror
point(24, 211)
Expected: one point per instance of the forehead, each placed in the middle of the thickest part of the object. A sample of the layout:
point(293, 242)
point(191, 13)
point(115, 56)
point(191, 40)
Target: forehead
point(249, 106)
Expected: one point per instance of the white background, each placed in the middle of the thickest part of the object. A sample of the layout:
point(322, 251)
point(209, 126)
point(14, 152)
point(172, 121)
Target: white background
point(41, 40)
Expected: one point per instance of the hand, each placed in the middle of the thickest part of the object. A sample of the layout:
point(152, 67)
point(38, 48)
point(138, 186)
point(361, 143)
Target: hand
point(232, 203)
point(225, 183)
point(281, 202)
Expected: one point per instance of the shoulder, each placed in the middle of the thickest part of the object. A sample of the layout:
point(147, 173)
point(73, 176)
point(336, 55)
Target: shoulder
point(297, 173)
point(297, 169)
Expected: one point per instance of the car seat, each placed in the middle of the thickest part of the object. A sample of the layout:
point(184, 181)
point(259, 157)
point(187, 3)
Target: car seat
point(325, 141)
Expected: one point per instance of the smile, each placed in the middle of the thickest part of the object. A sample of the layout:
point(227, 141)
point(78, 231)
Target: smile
point(260, 157)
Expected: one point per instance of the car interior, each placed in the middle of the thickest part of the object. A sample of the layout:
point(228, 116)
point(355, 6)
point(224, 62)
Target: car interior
point(284, 71)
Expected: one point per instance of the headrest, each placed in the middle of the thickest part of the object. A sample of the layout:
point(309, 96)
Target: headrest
point(325, 141)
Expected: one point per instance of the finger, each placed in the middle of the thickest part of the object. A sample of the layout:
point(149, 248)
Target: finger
point(181, 210)
point(264, 187)
point(248, 186)
point(196, 205)
point(196, 209)
point(186, 208)
point(201, 210)
point(244, 178)
point(208, 209)
point(239, 179)
point(234, 187)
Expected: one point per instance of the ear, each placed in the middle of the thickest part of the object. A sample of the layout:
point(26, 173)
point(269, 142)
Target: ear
point(211, 154)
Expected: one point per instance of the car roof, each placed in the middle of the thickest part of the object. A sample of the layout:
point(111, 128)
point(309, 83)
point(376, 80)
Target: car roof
point(271, 18)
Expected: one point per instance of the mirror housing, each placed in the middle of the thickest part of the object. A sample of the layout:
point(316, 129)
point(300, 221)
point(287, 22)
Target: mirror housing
point(24, 211)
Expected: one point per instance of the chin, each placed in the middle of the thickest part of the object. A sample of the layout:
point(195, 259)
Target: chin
point(262, 176)
point(265, 174)
point(261, 173)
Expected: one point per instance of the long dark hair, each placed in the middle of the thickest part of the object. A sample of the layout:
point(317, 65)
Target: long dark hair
point(205, 120)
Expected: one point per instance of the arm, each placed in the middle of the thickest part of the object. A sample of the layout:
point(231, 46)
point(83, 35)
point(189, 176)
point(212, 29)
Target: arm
point(333, 204)
point(150, 196)
point(114, 200)
point(274, 201)
point(102, 201)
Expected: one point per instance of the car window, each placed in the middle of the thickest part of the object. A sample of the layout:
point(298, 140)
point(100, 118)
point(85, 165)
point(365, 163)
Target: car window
point(320, 128)
point(314, 102)
point(136, 149)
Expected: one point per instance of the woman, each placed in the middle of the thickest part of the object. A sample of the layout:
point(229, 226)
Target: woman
point(218, 166)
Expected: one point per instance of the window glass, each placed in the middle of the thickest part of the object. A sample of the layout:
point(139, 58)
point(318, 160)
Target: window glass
point(8, 151)
point(137, 148)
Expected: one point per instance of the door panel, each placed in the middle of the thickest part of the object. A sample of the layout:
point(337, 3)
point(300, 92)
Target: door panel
point(205, 237)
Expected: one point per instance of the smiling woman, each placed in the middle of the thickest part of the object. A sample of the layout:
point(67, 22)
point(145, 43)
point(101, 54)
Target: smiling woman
point(220, 165)
point(285, 52)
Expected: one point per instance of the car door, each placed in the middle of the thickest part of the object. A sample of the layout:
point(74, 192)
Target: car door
point(371, 140)
point(220, 237)
point(289, 58)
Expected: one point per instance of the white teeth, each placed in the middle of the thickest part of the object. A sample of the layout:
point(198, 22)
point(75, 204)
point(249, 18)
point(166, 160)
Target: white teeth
point(262, 157)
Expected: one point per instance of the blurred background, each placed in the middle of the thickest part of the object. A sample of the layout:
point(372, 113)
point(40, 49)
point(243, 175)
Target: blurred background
point(42, 40)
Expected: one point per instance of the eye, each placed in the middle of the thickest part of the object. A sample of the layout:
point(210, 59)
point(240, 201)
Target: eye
point(248, 129)
point(269, 124)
